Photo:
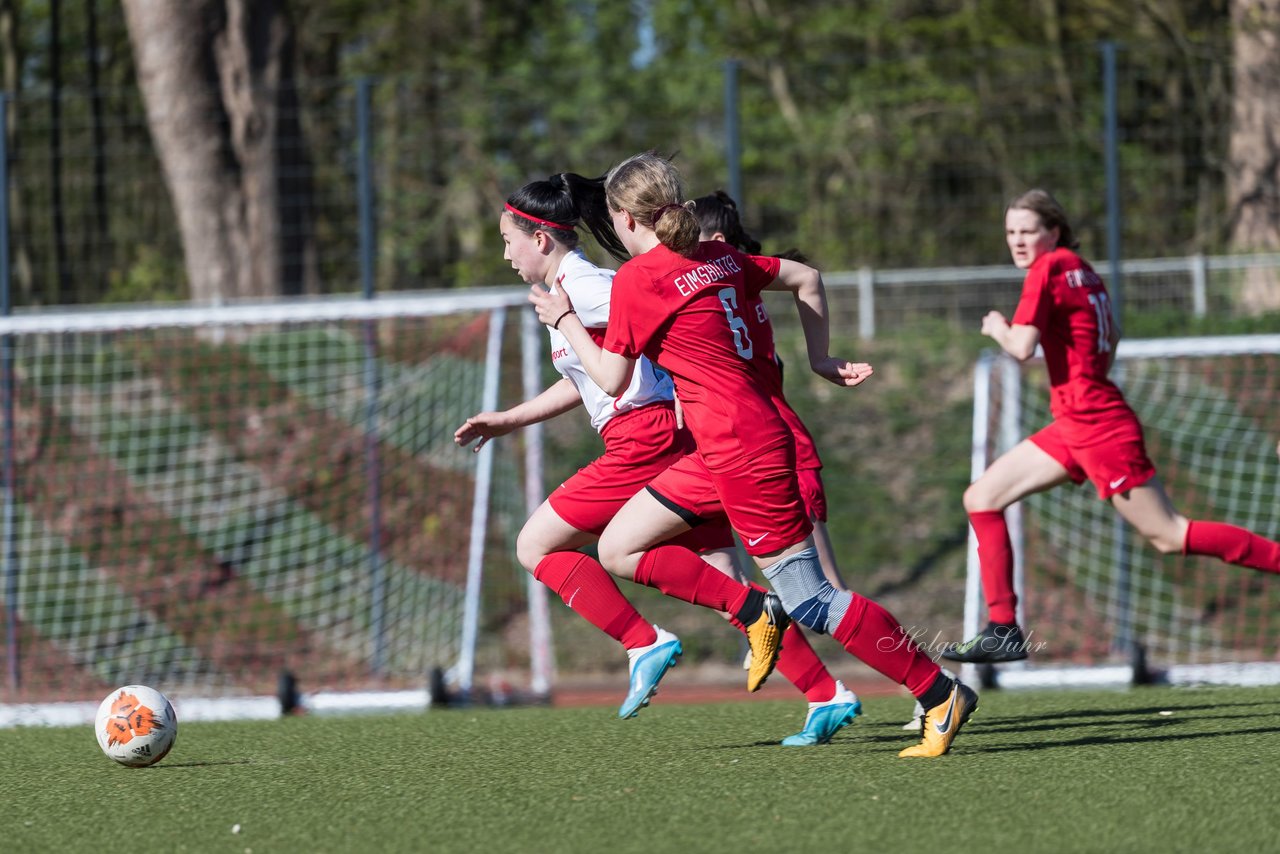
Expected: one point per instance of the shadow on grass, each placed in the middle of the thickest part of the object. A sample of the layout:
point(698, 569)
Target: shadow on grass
point(1114, 740)
point(1111, 713)
point(884, 732)
point(164, 766)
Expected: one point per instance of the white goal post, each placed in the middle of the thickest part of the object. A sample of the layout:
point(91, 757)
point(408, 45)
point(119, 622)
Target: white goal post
point(1100, 603)
point(211, 500)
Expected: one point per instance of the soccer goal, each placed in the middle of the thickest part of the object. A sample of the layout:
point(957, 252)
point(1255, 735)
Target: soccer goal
point(1101, 603)
point(229, 502)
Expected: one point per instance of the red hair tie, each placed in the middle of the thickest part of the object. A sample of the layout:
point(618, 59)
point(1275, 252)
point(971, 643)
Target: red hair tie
point(534, 219)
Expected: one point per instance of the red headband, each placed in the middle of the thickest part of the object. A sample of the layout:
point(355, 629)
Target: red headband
point(534, 219)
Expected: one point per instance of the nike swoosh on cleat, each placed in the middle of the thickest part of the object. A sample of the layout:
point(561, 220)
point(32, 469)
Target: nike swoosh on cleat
point(943, 730)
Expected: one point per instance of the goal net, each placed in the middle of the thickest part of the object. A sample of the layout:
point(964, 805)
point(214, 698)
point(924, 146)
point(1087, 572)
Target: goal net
point(214, 501)
point(1094, 593)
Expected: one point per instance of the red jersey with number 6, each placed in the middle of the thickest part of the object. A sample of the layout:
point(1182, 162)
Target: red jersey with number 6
point(770, 372)
point(1067, 301)
point(689, 316)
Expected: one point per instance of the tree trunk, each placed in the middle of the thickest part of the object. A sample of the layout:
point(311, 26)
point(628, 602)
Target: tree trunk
point(64, 293)
point(96, 257)
point(217, 78)
point(1253, 175)
point(20, 254)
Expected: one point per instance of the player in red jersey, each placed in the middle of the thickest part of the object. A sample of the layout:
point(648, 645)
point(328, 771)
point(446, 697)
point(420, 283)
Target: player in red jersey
point(638, 426)
point(718, 219)
point(1094, 434)
point(679, 301)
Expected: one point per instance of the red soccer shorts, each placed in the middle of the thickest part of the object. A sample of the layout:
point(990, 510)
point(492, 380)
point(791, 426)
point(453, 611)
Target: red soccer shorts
point(813, 494)
point(760, 497)
point(1109, 451)
point(638, 446)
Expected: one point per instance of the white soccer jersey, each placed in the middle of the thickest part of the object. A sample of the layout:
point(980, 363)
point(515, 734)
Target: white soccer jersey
point(589, 287)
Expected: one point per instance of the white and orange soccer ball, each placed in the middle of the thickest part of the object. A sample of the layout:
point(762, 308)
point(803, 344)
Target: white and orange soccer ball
point(136, 726)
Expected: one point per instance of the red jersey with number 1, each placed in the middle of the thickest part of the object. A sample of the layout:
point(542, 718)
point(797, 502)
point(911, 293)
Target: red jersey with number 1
point(1066, 300)
point(690, 316)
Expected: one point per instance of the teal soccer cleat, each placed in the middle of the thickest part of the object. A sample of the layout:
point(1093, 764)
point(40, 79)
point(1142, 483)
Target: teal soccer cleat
point(648, 665)
point(826, 719)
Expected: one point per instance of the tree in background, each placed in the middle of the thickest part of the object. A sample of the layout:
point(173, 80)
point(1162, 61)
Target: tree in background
point(11, 51)
point(879, 133)
point(217, 77)
point(1254, 171)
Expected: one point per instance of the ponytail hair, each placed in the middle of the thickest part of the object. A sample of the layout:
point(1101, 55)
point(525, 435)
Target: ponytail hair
point(1051, 213)
point(718, 212)
point(649, 188)
point(559, 204)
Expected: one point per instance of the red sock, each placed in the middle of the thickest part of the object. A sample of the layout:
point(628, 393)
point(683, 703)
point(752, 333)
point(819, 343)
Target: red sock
point(873, 635)
point(995, 556)
point(683, 575)
point(1232, 544)
point(587, 588)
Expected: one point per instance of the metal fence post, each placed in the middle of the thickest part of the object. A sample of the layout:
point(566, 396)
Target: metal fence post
point(1199, 284)
point(1111, 144)
point(464, 670)
point(1011, 433)
point(978, 461)
point(732, 132)
point(866, 303)
point(373, 467)
point(12, 657)
point(541, 657)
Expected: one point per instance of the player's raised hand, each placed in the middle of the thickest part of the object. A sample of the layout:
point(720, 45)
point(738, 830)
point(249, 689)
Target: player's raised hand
point(993, 322)
point(550, 305)
point(483, 426)
point(842, 372)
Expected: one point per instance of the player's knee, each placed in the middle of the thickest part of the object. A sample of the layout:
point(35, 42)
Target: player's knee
point(1166, 543)
point(616, 556)
point(529, 551)
point(975, 499)
point(1168, 539)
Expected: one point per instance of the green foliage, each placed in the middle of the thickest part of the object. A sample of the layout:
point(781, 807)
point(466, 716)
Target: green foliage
point(1161, 323)
point(154, 276)
point(882, 133)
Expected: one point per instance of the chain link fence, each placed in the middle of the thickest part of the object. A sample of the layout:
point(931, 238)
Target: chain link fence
point(900, 162)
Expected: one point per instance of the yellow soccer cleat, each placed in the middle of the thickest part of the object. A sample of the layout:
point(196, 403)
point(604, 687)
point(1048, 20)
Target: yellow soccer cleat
point(941, 724)
point(765, 639)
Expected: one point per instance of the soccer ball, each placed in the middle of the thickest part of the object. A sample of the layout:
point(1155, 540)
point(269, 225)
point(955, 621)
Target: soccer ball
point(136, 726)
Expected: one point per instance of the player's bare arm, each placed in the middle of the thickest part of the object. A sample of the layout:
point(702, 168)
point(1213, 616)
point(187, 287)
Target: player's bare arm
point(608, 370)
point(1113, 338)
point(556, 400)
point(1017, 340)
point(805, 284)
point(843, 372)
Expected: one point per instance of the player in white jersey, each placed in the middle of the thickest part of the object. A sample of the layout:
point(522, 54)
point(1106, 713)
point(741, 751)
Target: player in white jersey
point(641, 438)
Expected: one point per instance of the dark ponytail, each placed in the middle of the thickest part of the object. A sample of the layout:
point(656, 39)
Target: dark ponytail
point(560, 204)
point(719, 212)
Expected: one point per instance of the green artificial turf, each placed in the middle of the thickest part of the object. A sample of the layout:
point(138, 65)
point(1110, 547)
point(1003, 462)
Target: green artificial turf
point(1153, 769)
